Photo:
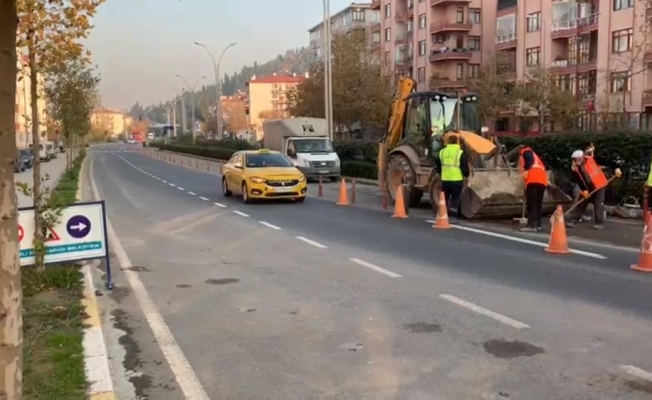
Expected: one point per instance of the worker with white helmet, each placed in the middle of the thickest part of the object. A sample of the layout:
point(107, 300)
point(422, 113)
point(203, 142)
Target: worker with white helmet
point(591, 180)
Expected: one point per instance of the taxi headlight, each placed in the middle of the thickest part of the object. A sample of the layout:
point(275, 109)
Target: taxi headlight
point(257, 180)
point(302, 178)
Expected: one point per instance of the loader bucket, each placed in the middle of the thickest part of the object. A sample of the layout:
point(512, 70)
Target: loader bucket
point(500, 193)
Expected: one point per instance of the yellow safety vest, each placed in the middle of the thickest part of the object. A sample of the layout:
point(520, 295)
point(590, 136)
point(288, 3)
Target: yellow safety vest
point(450, 163)
point(649, 176)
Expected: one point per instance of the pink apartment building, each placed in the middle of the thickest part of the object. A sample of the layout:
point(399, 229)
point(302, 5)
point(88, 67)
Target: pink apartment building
point(598, 50)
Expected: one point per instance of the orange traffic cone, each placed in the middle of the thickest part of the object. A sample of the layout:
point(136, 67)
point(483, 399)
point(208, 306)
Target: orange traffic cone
point(442, 221)
point(645, 256)
point(558, 241)
point(344, 196)
point(399, 204)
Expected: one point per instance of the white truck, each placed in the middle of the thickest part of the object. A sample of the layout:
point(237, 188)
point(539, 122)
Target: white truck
point(306, 142)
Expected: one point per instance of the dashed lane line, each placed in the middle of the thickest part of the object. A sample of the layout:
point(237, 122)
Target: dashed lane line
point(180, 188)
point(203, 198)
point(637, 372)
point(311, 242)
point(240, 213)
point(192, 193)
point(172, 184)
point(220, 205)
point(375, 268)
point(488, 313)
point(267, 224)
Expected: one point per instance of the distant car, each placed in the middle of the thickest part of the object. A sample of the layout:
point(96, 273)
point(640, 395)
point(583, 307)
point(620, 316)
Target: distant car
point(27, 157)
point(263, 174)
point(131, 141)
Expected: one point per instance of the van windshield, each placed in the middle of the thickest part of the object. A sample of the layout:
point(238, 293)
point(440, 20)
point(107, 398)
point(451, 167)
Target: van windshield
point(316, 145)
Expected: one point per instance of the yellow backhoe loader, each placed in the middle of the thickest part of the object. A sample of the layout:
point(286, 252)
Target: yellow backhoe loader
point(419, 125)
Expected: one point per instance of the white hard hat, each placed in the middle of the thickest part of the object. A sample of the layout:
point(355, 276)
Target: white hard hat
point(578, 154)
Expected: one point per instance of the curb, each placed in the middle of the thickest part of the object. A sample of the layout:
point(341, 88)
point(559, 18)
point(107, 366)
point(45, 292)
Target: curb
point(96, 358)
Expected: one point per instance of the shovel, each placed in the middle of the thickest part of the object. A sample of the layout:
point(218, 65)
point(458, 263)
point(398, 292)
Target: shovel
point(618, 174)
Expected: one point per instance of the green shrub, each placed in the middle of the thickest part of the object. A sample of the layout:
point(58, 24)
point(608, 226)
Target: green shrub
point(359, 169)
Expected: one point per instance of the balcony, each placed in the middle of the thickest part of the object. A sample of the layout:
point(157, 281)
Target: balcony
point(375, 27)
point(444, 84)
point(404, 16)
point(375, 4)
point(561, 67)
point(447, 26)
point(648, 11)
point(403, 38)
point(647, 56)
point(435, 3)
point(647, 98)
point(505, 42)
point(445, 54)
point(566, 29)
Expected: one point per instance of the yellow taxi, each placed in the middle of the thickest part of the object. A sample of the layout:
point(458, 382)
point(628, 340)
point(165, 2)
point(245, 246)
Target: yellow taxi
point(262, 174)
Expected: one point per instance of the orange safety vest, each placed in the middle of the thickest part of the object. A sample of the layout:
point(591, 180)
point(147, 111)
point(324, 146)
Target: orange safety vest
point(593, 170)
point(537, 173)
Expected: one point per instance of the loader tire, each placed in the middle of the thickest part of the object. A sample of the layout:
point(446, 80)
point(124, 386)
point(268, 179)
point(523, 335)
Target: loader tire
point(399, 170)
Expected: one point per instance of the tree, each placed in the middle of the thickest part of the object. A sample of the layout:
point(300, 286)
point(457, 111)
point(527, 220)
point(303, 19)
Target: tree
point(360, 91)
point(271, 114)
point(11, 320)
point(50, 31)
point(540, 92)
point(494, 90)
point(71, 91)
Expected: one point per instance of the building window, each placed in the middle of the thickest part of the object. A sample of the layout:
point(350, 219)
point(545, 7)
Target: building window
point(358, 15)
point(422, 48)
point(622, 40)
point(421, 74)
point(474, 43)
point(532, 56)
point(474, 15)
point(388, 57)
point(620, 82)
point(459, 72)
point(460, 15)
point(422, 21)
point(473, 71)
point(410, 25)
point(388, 34)
point(533, 22)
point(622, 4)
point(388, 10)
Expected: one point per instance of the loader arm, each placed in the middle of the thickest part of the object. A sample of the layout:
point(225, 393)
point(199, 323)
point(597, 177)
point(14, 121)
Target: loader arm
point(396, 119)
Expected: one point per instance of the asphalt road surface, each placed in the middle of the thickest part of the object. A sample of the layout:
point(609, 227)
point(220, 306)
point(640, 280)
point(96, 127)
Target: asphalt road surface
point(224, 300)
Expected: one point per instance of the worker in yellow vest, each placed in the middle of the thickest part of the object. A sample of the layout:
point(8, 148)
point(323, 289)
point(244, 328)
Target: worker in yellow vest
point(648, 185)
point(454, 170)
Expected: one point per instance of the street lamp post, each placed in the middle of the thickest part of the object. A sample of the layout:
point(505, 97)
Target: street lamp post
point(328, 65)
point(218, 89)
point(192, 101)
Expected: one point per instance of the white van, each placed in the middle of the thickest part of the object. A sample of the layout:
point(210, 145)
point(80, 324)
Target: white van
point(42, 152)
point(51, 150)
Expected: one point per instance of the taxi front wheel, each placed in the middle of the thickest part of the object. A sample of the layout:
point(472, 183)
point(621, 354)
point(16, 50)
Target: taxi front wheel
point(225, 189)
point(245, 193)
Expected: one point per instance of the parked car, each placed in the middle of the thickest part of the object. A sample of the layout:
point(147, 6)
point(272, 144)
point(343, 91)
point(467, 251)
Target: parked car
point(50, 150)
point(27, 157)
point(19, 166)
point(42, 152)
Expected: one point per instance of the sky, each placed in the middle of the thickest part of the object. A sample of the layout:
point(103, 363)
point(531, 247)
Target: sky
point(140, 45)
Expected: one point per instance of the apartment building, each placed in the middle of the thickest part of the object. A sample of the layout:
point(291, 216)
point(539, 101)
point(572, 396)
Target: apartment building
point(596, 49)
point(268, 98)
point(110, 122)
point(23, 109)
point(437, 42)
point(356, 15)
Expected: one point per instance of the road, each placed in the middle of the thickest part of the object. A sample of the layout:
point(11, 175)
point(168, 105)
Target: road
point(53, 169)
point(218, 299)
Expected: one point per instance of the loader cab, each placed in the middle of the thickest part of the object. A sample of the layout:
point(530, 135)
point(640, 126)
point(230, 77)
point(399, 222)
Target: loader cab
point(430, 115)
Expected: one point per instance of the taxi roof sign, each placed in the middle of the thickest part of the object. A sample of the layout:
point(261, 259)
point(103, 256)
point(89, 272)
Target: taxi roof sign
point(263, 151)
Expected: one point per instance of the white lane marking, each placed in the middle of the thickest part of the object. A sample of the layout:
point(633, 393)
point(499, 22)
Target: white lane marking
point(203, 198)
point(311, 242)
point(192, 193)
point(180, 188)
point(637, 372)
point(164, 181)
point(241, 213)
point(172, 184)
point(183, 372)
point(375, 268)
point(498, 317)
point(267, 224)
point(220, 205)
point(521, 240)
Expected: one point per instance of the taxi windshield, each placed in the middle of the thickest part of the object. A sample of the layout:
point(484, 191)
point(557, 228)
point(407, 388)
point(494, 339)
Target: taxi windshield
point(267, 160)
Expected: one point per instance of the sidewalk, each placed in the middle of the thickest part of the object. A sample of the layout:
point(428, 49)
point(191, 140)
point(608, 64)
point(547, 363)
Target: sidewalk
point(54, 169)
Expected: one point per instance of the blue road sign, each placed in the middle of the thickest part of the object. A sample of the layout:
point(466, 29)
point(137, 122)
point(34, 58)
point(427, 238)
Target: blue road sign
point(78, 226)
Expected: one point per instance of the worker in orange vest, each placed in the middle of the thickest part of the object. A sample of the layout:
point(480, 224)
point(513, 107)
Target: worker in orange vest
point(536, 180)
point(591, 180)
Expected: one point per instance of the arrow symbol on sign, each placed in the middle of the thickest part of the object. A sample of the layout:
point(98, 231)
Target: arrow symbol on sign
point(79, 227)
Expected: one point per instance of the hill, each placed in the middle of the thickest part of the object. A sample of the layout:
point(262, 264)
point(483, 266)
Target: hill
point(293, 61)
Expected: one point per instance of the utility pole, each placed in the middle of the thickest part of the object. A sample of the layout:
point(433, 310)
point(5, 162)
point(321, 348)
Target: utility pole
point(328, 64)
point(183, 112)
point(192, 102)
